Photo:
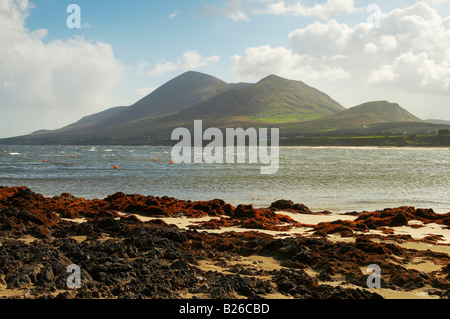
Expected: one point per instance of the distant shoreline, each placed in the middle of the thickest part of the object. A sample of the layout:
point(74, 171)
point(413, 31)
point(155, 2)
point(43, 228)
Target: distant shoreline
point(381, 140)
point(281, 146)
point(368, 147)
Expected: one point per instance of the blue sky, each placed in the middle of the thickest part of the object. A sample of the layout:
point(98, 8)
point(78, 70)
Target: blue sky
point(51, 76)
point(146, 31)
point(142, 31)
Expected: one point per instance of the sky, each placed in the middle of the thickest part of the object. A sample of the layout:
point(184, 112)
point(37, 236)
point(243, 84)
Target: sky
point(59, 63)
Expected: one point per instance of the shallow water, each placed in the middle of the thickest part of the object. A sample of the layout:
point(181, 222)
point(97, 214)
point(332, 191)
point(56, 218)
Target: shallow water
point(335, 179)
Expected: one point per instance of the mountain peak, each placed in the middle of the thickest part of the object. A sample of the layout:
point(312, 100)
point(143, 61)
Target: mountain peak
point(383, 111)
point(378, 104)
point(194, 75)
point(273, 77)
point(275, 80)
point(182, 92)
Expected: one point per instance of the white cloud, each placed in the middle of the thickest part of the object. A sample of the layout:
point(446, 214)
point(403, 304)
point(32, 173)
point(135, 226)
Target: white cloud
point(415, 73)
point(51, 81)
point(262, 61)
point(238, 16)
point(385, 74)
point(409, 52)
point(140, 66)
point(173, 15)
point(240, 10)
point(388, 43)
point(323, 10)
point(370, 48)
point(437, 2)
point(162, 68)
point(319, 39)
point(235, 11)
point(191, 60)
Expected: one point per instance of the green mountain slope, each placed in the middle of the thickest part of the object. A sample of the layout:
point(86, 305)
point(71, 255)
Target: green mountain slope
point(374, 112)
point(271, 100)
point(281, 100)
point(359, 117)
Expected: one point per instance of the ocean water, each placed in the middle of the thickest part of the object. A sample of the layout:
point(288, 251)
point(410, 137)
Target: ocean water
point(335, 179)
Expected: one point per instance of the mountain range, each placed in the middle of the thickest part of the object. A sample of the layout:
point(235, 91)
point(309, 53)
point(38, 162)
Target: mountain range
point(293, 106)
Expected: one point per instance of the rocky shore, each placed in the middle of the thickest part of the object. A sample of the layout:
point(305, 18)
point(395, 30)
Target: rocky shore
point(145, 247)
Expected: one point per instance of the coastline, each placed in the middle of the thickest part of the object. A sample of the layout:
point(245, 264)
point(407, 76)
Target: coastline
point(125, 244)
point(371, 147)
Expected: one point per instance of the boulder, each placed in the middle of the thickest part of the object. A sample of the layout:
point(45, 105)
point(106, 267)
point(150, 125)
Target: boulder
point(282, 204)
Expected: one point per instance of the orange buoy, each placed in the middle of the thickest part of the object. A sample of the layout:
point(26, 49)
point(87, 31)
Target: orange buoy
point(116, 167)
point(74, 156)
point(43, 161)
point(154, 160)
point(171, 162)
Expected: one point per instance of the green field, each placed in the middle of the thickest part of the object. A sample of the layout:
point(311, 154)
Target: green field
point(284, 118)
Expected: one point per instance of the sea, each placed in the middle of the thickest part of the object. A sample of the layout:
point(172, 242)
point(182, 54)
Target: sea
point(337, 179)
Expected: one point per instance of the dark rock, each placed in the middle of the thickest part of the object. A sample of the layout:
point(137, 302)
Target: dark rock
point(323, 276)
point(440, 283)
point(446, 269)
point(302, 209)
point(180, 264)
point(282, 204)
point(20, 281)
point(398, 220)
point(67, 295)
point(446, 294)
